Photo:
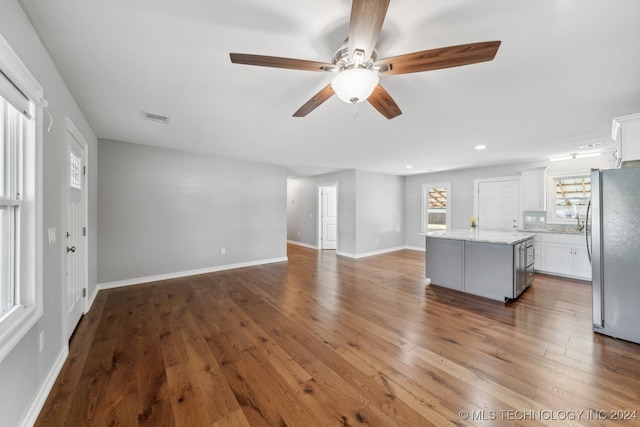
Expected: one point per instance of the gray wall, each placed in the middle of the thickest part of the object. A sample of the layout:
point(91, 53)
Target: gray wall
point(163, 211)
point(379, 212)
point(24, 372)
point(370, 211)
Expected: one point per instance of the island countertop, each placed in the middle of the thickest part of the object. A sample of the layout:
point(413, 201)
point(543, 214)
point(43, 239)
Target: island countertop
point(478, 235)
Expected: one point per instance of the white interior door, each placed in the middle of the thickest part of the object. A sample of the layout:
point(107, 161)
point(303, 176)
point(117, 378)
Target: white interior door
point(329, 217)
point(497, 205)
point(76, 248)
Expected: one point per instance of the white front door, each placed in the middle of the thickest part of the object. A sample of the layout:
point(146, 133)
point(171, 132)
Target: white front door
point(497, 205)
point(329, 218)
point(75, 233)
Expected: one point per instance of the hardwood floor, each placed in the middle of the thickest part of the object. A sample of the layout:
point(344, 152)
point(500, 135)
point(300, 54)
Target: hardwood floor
point(330, 341)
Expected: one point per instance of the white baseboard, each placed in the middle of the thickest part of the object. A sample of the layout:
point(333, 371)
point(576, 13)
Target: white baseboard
point(139, 280)
point(415, 248)
point(346, 254)
point(41, 397)
point(306, 245)
point(92, 298)
point(372, 253)
point(566, 276)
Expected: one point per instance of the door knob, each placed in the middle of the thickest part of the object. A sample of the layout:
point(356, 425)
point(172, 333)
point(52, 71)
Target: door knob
point(71, 249)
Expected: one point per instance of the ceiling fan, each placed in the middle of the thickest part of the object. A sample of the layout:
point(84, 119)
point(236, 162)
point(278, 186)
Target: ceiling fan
point(357, 68)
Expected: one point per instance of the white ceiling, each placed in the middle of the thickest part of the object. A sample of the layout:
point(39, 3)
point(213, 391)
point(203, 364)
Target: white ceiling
point(564, 70)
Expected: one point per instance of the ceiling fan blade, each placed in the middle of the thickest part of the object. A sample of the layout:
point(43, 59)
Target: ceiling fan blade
point(317, 99)
point(435, 59)
point(382, 101)
point(367, 17)
point(278, 62)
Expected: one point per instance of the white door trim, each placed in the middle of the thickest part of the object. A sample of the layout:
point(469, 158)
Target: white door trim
point(70, 128)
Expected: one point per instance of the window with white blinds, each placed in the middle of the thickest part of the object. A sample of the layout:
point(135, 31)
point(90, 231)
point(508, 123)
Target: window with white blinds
point(11, 147)
point(20, 200)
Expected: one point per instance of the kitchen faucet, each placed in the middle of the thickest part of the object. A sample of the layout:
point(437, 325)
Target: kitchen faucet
point(580, 226)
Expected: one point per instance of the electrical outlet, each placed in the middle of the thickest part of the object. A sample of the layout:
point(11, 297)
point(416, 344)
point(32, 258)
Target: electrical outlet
point(223, 251)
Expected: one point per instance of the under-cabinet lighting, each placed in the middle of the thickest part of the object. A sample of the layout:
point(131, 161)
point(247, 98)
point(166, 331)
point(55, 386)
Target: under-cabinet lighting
point(557, 159)
point(575, 156)
point(584, 156)
point(592, 145)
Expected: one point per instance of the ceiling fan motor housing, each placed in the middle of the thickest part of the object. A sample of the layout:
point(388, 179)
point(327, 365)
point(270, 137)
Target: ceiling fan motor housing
point(342, 60)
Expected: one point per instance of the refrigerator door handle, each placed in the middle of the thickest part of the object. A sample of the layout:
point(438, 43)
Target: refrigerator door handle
point(586, 231)
point(596, 249)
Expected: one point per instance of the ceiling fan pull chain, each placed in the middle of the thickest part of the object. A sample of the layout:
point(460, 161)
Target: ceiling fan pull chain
point(355, 107)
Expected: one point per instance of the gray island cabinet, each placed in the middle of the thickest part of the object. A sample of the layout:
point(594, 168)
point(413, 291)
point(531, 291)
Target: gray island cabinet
point(491, 264)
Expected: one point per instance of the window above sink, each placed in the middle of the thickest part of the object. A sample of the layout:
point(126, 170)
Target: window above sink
point(569, 195)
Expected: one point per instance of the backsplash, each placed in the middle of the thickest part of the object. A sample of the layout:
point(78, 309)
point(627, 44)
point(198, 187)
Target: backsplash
point(534, 219)
point(537, 221)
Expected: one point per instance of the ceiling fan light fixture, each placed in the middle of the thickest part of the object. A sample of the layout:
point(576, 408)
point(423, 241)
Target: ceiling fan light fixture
point(354, 85)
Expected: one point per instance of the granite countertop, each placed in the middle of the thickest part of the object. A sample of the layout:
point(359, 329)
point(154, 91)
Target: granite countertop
point(557, 231)
point(500, 237)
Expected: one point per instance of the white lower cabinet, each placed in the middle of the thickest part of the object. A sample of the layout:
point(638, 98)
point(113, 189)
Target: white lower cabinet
point(564, 255)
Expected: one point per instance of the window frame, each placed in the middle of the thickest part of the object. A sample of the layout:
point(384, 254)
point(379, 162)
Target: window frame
point(17, 322)
point(552, 217)
point(424, 226)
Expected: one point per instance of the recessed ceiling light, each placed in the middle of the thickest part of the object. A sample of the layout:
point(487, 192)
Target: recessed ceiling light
point(408, 166)
point(480, 147)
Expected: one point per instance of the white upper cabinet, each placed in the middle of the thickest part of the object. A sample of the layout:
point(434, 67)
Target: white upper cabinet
point(533, 185)
point(626, 133)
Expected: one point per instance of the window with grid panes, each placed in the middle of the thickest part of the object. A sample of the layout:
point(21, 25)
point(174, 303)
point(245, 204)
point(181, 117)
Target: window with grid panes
point(436, 213)
point(570, 197)
point(20, 200)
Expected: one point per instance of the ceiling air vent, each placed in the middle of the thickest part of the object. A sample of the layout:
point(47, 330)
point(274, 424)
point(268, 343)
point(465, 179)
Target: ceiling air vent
point(157, 118)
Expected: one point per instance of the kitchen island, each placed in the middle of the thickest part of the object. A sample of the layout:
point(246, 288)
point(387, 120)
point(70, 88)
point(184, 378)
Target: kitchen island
point(492, 264)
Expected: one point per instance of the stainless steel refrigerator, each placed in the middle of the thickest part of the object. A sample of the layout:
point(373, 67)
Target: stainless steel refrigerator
point(615, 252)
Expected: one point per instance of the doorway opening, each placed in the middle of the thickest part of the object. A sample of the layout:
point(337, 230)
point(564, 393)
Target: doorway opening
point(328, 216)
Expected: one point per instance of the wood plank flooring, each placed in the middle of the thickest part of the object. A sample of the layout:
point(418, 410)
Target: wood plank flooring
point(329, 341)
